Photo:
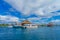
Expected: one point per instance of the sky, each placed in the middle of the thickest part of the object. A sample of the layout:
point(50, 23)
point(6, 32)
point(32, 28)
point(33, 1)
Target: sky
point(36, 11)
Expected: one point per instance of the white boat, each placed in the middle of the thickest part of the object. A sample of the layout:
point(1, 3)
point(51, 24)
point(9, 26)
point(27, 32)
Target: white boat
point(26, 26)
point(30, 26)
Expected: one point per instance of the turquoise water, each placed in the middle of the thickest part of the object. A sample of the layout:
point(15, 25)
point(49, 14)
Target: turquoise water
point(41, 33)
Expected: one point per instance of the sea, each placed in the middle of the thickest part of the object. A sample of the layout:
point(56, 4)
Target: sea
point(41, 33)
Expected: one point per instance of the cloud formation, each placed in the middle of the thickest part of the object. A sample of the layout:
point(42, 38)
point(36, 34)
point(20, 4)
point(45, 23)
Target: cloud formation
point(38, 7)
point(41, 8)
point(7, 18)
point(57, 21)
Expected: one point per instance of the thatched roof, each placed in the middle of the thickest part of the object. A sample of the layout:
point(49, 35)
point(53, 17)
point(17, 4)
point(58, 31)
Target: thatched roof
point(26, 22)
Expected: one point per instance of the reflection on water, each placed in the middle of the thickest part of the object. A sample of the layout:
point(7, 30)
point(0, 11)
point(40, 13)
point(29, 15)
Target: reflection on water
point(42, 33)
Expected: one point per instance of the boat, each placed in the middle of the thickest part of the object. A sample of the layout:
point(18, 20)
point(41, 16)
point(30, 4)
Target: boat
point(30, 26)
point(50, 24)
point(17, 26)
point(25, 24)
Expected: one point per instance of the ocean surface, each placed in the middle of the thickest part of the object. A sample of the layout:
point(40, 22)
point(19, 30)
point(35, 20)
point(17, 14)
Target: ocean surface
point(41, 33)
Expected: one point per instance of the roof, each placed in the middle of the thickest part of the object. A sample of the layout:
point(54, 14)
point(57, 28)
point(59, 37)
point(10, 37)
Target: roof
point(26, 22)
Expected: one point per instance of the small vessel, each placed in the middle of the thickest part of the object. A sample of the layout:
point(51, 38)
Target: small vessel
point(50, 24)
point(17, 26)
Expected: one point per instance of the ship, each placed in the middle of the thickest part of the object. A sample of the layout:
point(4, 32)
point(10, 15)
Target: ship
point(25, 24)
point(50, 24)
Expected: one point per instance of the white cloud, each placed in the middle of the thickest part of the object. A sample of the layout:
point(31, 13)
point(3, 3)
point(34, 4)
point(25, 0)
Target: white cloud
point(41, 8)
point(38, 7)
point(11, 10)
point(34, 18)
point(8, 18)
point(55, 20)
point(38, 20)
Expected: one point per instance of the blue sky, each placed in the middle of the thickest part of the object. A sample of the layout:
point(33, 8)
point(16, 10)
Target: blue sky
point(36, 11)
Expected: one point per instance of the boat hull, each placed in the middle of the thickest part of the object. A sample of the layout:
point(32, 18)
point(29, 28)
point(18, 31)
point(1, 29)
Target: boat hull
point(18, 27)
